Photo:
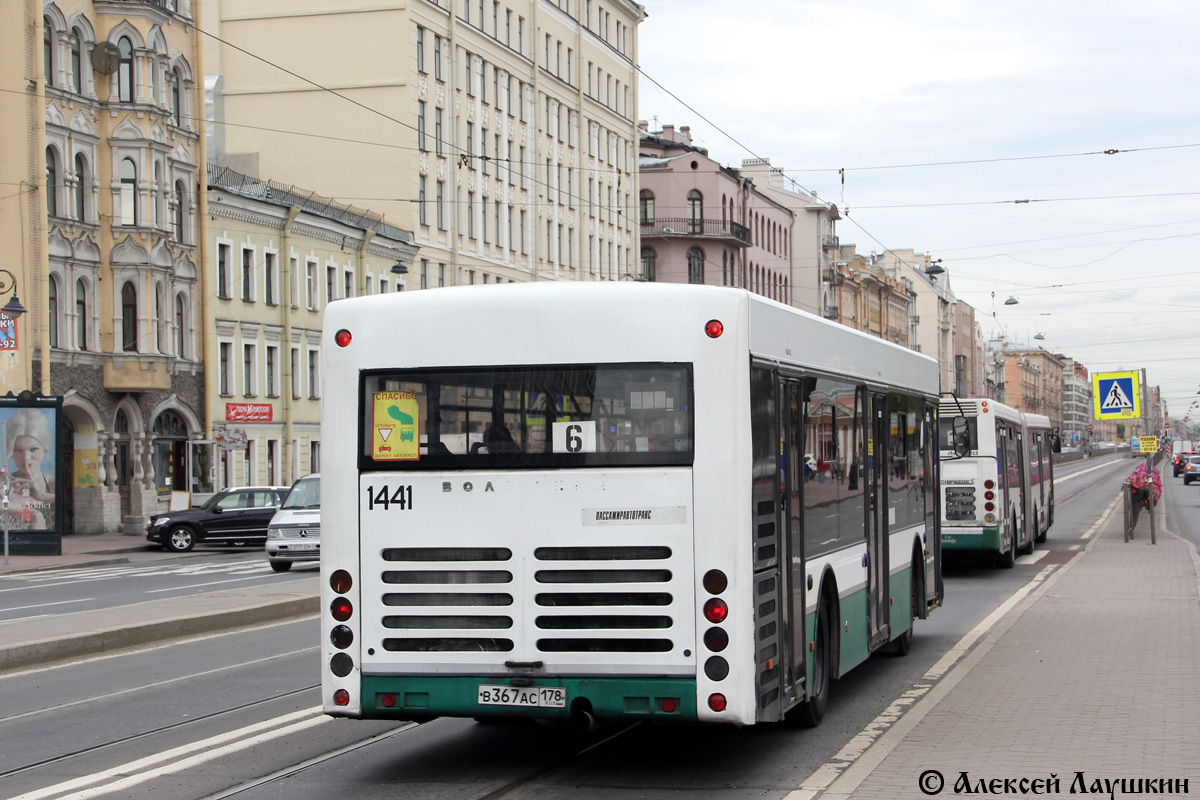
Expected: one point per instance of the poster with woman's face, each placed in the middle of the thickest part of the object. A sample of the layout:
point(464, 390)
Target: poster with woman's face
point(29, 470)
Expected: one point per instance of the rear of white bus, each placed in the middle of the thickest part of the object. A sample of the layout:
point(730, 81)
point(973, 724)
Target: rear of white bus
point(505, 538)
point(972, 510)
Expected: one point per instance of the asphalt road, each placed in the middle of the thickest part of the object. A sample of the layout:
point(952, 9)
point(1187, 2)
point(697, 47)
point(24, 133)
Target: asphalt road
point(236, 714)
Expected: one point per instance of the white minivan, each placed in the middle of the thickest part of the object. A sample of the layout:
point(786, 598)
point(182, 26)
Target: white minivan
point(295, 531)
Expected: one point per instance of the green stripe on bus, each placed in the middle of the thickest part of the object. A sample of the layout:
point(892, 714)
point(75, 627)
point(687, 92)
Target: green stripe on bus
point(423, 696)
point(985, 539)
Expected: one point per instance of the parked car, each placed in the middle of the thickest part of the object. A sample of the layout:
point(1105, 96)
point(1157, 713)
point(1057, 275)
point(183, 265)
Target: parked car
point(231, 516)
point(295, 531)
point(1191, 470)
point(1181, 459)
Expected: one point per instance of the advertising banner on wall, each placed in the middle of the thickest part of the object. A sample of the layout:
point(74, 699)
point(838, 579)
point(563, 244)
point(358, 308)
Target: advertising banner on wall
point(30, 476)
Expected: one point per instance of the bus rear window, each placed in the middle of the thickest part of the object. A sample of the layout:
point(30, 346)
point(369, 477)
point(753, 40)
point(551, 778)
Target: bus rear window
point(946, 433)
point(527, 417)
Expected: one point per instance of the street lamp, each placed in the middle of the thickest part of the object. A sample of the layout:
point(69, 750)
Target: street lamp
point(1011, 301)
point(8, 283)
point(399, 269)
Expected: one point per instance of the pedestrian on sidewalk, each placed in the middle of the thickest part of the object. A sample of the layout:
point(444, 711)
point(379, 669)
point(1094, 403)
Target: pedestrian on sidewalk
point(1142, 484)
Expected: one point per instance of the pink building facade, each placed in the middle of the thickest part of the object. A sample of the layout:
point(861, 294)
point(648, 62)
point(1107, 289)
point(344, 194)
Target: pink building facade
point(705, 223)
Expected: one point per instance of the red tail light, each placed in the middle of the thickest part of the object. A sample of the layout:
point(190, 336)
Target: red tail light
point(341, 698)
point(341, 609)
point(717, 702)
point(715, 610)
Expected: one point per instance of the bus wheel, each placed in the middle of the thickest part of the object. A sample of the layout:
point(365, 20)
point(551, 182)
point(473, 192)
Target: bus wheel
point(1040, 538)
point(1008, 560)
point(810, 713)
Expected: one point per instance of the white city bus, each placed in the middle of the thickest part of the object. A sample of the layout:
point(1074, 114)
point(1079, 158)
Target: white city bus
point(582, 500)
point(999, 496)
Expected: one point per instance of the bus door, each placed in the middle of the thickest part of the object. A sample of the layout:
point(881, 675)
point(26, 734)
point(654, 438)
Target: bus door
point(794, 571)
point(876, 558)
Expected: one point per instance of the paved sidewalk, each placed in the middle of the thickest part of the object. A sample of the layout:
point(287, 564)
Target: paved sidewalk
point(1096, 672)
point(50, 638)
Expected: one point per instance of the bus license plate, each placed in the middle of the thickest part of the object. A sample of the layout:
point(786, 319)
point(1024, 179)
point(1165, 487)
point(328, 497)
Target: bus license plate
point(527, 696)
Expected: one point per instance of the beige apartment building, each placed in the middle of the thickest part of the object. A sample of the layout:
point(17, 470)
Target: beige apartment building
point(279, 256)
point(500, 132)
point(814, 239)
point(100, 227)
point(865, 294)
point(1034, 382)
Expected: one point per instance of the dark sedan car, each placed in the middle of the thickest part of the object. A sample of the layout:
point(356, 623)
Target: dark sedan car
point(1181, 460)
point(232, 516)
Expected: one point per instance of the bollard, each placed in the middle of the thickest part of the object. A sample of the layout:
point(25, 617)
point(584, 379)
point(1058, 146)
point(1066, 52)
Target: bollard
point(1127, 493)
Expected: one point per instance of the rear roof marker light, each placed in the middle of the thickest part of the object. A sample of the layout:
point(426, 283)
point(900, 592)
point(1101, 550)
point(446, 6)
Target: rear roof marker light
point(342, 338)
point(714, 328)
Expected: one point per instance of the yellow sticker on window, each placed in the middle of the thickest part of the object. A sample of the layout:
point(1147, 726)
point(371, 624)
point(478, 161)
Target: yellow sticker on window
point(395, 427)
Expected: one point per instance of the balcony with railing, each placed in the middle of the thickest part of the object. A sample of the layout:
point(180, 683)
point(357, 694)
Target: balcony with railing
point(670, 227)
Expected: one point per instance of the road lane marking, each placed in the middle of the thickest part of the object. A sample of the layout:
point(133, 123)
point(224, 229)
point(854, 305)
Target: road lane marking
point(43, 605)
point(198, 585)
point(180, 758)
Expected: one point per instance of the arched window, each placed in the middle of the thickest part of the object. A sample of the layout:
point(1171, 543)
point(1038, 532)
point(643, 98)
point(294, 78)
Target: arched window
point(53, 292)
point(695, 210)
point(161, 321)
point(180, 328)
point(646, 206)
point(179, 211)
point(129, 333)
point(649, 257)
point(77, 60)
point(82, 184)
point(48, 49)
point(177, 97)
point(695, 265)
point(51, 183)
point(128, 214)
point(125, 71)
point(81, 315)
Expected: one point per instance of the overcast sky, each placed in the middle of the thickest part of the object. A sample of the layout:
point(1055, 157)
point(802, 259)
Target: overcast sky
point(1104, 259)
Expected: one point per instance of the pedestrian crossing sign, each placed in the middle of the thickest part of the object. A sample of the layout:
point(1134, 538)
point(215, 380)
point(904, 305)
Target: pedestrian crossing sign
point(1116, 395)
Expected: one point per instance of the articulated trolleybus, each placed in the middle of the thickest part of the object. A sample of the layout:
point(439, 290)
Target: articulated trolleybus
point(581, 501)
point(999, 485)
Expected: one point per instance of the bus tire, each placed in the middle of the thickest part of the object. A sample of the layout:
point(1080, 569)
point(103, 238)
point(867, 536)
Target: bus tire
point(810, 713)
point(1028, 549)
point(1042, 532)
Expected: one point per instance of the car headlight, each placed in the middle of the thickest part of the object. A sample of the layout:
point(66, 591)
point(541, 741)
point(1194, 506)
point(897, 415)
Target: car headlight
point(158, 523)
point(274, 533)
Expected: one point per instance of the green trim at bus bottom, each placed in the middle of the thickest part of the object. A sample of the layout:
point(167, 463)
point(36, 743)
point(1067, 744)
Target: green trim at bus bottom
point(424, 696)
point(854, 642)
point(972, 539)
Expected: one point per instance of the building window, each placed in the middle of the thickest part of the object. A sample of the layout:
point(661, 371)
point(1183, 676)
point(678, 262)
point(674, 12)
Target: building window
point(310, 286)
point(441, 205)
point(177, 97)
point(272, 368)
point(646, 206)
point(223, 271)
point(330, 284)
point(160, 319)
point(437, 57)
point(77, 61)
point(296, 373)
point(695, 210)
point(53, 292)
point(695, 265)
point(314, 458)
point(125, 71)
point(129, 332)
point(648, 263)
point(81, 316)
point(48, 49)
point(422, 142)
point(180, 327)
point(421, 207)
point(249, 371)
point(420, 49)
point(180, 204)
point(271, 278)
point(438, 134)
point(51, 183)
point(248, 276)
point(82, 185)
point(128, 195)
point(314, 374)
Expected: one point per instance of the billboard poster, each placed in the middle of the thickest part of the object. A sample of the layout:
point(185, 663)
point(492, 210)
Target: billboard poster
point(30, 511)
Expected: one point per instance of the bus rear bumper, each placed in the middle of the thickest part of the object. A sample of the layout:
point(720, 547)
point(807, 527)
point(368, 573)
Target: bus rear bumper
point(971, 539)
point(420, 697)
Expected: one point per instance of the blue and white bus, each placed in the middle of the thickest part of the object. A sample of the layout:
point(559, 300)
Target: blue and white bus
point(582, 500)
